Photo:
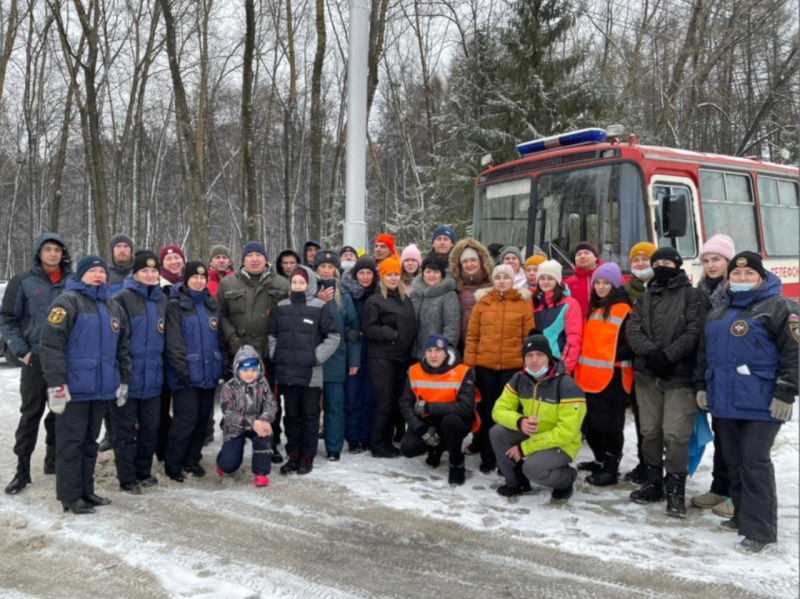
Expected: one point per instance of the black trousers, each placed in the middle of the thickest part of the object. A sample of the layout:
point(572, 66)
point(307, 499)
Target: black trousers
point(720, 481)
point(230, 456)
point(452, 428)
point(134, 449)
point(33, 391)
point(491, 384)
point(388, 378)
point(635, 409)
point(301, 418)
point(191, 409)
point(164, 422)
point(277, 427)
point(603, 442)
point(747, 445)
point(76, 448)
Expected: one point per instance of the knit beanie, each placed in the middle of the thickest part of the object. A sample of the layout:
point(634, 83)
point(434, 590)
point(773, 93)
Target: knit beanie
point(365, 262)
point(145, 259)
point(121, 239)
point(299, 271)
point(434, 262)
point(388, 266)
point(721, 245)
point(444, 230)
point(468, 254)
point(537, 342)
point(585, 245)
point(348, 248)
point(535, 260)
point(610, 272)
point(194, 268)
point(643, 247)
point(550, 268)
point(511, 250)
point(254, 246)
point(220, 250)
point(439, 341)
point(387, 240)
point(171, 249)
point(411, 253)
point(87, 262)
point(537, 251)
point(750, 260)
point(667, 253)
point(503, 268)
point(326, 257)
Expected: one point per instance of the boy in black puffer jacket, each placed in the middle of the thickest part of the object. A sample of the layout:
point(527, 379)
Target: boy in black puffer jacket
point(302, 335)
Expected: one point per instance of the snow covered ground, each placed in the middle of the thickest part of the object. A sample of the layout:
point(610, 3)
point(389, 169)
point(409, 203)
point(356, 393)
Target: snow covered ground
point(366, 528)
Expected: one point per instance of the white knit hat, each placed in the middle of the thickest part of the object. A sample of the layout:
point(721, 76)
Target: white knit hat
point(550, 268)
point(503, 268)
point(468, 254)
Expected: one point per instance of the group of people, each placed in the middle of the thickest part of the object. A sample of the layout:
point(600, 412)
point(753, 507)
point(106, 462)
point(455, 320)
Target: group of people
point(396, 348)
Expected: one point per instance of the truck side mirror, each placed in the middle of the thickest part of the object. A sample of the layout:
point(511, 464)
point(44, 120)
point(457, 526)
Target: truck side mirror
point(673, 216)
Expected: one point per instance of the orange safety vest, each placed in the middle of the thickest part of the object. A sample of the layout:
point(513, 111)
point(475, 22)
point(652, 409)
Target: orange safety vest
point(440, 388)
point(596, 363)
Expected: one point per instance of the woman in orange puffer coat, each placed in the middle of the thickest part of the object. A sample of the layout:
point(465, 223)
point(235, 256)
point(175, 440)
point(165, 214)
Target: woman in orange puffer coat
point(501, 321)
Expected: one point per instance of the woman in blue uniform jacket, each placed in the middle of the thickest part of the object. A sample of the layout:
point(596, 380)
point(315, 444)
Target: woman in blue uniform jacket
point(145, 305)
point(194, 368)
point(747, 377)
point(84, 351)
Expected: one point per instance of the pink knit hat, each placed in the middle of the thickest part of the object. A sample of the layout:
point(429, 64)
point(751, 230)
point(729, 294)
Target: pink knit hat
point(411, 253)
point(721, 245)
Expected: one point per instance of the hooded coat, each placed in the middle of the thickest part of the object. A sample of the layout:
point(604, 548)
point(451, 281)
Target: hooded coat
point(437, 311)
point(348, 353)
point(244, 403)
point(498, 327)
point(279, 268)
point(466, 286)
point(306, 245)
point(562, 325)
point(27, 300)
point(390, 325)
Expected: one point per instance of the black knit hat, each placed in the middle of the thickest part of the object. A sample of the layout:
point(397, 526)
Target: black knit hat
point(749, 260)
point(585, 245)
point(145, 259)
point(348, 248)
point(537, 342)
point(434, 262)
point(667, 254)
point(194, 268)
point(365, 262)
point(326, 257)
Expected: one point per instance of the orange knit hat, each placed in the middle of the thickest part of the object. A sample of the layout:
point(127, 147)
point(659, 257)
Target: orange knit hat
point(535, 260)
point(388, 266)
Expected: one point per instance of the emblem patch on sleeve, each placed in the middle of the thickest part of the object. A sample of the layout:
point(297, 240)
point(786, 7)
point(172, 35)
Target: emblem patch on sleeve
point(115, 325)
point(793, 328)
point(57, 315)
point(739, 328)
point(160, 325)
point(212, 322)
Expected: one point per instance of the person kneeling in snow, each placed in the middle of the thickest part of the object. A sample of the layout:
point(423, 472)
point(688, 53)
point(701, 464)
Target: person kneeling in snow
point(538, 430)
point(248, 408)
point(438, 404)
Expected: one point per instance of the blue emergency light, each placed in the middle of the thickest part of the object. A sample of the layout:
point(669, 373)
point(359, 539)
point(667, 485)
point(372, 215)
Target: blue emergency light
point(583, 136)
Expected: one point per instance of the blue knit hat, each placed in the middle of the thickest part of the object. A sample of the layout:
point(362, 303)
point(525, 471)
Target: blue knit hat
point(444, 230)
point(254, 246)
point(437, 341)
point(88, 262)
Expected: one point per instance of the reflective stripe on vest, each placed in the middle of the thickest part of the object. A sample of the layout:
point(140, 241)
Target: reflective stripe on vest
point(440, 388)
point(596, 364)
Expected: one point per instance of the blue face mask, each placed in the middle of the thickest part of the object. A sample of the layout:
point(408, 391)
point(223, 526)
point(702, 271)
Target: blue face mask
point(739, 287)
point(538, 374)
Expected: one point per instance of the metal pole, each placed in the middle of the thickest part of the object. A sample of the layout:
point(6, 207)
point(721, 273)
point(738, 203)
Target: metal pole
point(355, 226)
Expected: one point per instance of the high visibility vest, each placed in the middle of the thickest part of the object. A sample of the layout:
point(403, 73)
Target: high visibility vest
point(440, 388)
point(596, 363)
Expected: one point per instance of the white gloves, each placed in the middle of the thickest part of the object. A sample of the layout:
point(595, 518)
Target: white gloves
point(122, 395)
point(58, 398)
point(780, 410)
point(702, 400)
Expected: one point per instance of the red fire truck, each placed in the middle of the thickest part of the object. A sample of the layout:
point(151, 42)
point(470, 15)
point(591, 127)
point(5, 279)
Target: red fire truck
point(591, 185)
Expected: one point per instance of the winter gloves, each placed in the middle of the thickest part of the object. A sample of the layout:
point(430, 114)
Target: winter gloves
point(658, 363)
point(58, 398)
point(122, 395)
point(430, 436)
point(780, 410)
point(702, 400)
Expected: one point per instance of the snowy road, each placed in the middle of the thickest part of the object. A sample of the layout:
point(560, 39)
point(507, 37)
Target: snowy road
point(373, 528)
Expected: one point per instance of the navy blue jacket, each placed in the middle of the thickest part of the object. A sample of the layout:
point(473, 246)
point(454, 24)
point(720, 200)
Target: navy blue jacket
point(748, 353)
point(84, 343)
point(146, 309)
point(194, 358)
point(27, 301)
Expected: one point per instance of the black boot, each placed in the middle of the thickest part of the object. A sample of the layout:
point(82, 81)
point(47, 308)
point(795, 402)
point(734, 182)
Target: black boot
point(21, 480)
point(609, 475)
point(132, 488)
point(457, 475)
point(291, 464)
point(564, 494)
point(79, 506)
point(638, 475)
point(676, 495)
point(523, 484)
point(653, 489)
point(594, 467)
point(277, 458)
point(96, 500)
point(306, 464)
point(434, 458)
point(50, 460)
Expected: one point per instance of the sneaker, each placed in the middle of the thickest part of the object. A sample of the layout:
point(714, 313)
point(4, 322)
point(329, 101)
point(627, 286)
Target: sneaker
point(729, 525)
point(509, 491)
point(277, 458)
point(724, 509)
point(261, 480)
point(220, 473)
point(334, 456)
point(354, 447)
point(306, 465)
point(564, 494)
point(132, 488)
point(750, 546)
point(291, 464)
point(707, 500)
point(638, 475)
point(195, 470)
point(148, 481)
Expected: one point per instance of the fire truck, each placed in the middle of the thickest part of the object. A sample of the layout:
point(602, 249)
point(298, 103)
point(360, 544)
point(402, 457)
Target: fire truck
point(592, 185)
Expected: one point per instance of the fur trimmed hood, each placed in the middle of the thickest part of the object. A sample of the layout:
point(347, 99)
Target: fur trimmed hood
point(523, 293)
point(455, 254)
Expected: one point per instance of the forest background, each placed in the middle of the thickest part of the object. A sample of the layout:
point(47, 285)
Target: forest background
point(199, 122)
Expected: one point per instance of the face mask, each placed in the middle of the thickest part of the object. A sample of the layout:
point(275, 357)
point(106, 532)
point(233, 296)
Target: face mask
point(645, 274)
point(739, 287)
point(347, 264)
point(664, 274)
point(538, 374)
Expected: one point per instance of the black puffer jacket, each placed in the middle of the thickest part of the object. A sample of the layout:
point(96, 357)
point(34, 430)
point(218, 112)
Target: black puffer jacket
point(390, 325)
point(668, 317)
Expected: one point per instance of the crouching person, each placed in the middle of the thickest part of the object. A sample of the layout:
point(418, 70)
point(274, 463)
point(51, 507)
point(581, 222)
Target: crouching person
point(248, 409)
point(84, 351)
point(438, 404)
point(538, 430)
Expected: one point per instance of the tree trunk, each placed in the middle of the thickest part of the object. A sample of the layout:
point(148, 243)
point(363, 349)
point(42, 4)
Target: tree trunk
point(317, 123)
point(250, 207)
